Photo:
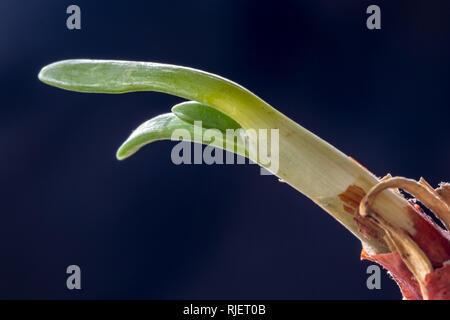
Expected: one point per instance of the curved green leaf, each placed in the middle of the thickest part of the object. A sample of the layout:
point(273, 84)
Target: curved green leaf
point(111, 76)
point(164, 126)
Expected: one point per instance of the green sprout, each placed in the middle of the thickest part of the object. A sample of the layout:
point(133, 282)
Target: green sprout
point(307, 163)
point(333, 180)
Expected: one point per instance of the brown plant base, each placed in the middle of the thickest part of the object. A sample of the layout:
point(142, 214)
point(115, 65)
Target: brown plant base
point(419, 262)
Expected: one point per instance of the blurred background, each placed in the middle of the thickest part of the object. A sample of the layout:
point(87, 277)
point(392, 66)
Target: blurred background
point(147, 229)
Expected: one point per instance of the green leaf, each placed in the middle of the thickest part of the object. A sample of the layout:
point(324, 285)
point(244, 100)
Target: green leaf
point(112, 76)
point(191, 111)
point(163, 127)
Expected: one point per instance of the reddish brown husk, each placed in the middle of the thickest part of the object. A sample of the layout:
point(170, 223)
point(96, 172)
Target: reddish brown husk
point(432, 239)
point(438, 284)
point(435, 243)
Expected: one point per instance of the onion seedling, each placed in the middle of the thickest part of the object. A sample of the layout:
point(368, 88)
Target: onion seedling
point(393, 230)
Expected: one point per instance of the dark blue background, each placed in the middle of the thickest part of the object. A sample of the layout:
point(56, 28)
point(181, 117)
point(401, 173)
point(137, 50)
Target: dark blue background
point(145, 228)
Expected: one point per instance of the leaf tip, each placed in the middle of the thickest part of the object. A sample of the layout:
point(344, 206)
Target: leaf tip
point(122, 153)
point(49, 73)
point(42, 75)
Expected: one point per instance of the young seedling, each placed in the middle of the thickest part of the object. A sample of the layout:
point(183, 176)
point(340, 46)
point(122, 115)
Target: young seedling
point(393, 230)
